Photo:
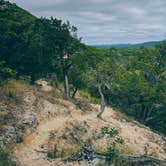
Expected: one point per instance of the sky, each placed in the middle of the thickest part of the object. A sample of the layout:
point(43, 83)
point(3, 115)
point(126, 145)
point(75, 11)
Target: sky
point(106, 21)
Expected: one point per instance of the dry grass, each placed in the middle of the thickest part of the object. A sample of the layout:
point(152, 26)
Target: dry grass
point(122, 149)
point(14, 89)
point(83, 105)
point(67, 140)
point(63, 151)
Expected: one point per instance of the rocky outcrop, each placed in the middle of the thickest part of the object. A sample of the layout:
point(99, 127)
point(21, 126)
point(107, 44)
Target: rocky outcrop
point(8, 134)
point(29, 119)
point(16, 118)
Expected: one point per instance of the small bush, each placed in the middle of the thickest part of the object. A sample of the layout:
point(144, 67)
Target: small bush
point(113, 138)
point(111, 132)
point(5, 72)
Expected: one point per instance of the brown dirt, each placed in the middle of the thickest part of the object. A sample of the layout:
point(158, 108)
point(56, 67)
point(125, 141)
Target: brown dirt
point(33, 151)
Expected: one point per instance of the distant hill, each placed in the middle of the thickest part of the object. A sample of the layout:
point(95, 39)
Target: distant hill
point(146, 44)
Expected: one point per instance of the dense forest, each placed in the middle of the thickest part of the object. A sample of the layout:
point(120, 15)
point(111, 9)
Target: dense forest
point(132, 80)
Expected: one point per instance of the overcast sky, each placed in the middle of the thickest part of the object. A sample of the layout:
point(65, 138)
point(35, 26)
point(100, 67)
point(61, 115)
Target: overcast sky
point(106, 21)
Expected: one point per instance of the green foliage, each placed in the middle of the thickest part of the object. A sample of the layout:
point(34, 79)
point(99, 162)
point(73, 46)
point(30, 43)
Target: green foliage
point(113, 138)
point(139, 87)
point(35, 47)
point(88, 97)
point(5, 72)
point(111, 132)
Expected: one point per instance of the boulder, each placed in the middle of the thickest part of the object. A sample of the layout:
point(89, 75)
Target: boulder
point(44, 85)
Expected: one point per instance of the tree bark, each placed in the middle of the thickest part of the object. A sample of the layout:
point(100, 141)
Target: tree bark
point(102, 104)
point(65, 77)
point(149, 113)
point(66, 84)
point(144, 114)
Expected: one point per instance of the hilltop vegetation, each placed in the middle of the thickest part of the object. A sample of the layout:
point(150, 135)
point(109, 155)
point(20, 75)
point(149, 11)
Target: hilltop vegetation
point(130, 80)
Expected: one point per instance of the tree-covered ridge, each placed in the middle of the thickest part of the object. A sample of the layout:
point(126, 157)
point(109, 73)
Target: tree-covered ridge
point(132, 80)
point(14, 24)
point(132, 46)
point(14, 13)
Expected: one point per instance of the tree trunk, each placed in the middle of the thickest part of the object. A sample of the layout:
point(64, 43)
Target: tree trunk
point(144, 114)
point(74, 93)
point(66, 84)
point(65, 78)
point(149, 113)
point(102, 104)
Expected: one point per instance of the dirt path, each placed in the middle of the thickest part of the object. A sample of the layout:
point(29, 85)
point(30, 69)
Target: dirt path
point(32, 151)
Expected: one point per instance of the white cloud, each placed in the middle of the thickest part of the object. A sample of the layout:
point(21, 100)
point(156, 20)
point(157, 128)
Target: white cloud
point(107, 21)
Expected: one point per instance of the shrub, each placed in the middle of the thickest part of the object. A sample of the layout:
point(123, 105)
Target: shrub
point(5, 72)
point(87, 96)
point(113, 138)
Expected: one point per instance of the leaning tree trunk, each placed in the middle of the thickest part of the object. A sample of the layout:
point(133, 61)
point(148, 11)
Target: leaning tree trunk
point(102, 104)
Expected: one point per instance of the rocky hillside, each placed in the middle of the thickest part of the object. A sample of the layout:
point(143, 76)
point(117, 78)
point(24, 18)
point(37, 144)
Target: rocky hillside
point(43, 128)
